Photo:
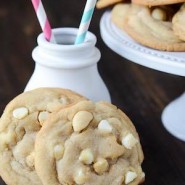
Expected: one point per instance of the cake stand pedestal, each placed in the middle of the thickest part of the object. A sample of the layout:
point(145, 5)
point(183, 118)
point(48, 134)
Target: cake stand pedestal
point(173, 116)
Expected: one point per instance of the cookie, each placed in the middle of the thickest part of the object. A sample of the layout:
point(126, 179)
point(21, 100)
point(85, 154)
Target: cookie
point(22, 119)
point(89, 144)
point(119, 14)
point(104, 3)
point(178, 23)
point(156, 2)
point(151, 29)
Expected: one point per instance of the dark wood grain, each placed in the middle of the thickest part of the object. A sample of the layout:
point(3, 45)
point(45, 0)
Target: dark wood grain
point(140, 92)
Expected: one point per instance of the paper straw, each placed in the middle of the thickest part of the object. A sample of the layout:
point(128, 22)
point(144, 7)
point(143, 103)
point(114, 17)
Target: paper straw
point(43, 20)
point(85, 21)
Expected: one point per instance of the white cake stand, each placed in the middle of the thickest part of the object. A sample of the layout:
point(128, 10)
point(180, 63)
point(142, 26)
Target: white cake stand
point(173, 116)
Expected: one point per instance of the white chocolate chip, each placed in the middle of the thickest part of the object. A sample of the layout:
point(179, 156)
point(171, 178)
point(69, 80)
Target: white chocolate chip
point(30, 160)
point(159, 14)
point(81, 120)
point(43, 116)
point(130, 176)
point(143, 175)
point(80, 177)
point(129, 141)
point(20, 113)
point(64, 100)
point(86, 156)
point(101, 166)
point(105, 126)
point(58, 151)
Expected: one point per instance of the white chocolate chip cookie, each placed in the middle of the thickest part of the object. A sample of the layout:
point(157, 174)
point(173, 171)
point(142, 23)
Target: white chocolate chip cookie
point(149, 27)
point(19, 125)
point(93, 155)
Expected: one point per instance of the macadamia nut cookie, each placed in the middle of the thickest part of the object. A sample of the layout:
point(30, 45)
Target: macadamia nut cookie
point(90, 144)
point(21, 121)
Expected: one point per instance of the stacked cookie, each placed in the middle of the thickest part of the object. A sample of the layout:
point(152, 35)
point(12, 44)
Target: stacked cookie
point(158, 24)
point(56, 137)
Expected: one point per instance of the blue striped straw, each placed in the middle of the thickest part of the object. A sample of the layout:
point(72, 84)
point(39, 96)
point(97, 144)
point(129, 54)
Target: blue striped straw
point(85, 21)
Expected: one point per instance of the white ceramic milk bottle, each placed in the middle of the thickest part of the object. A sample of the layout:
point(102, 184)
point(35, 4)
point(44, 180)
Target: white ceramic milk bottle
point(68, 66)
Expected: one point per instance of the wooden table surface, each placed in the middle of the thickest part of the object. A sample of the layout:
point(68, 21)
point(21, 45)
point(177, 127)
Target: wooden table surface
point(140, 92)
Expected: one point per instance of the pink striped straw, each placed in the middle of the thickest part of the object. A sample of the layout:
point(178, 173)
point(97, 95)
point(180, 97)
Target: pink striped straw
point(43, 20)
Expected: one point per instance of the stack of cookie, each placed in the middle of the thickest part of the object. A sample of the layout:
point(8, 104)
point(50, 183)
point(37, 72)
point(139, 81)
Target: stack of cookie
point(158, 24)
point(57, 137)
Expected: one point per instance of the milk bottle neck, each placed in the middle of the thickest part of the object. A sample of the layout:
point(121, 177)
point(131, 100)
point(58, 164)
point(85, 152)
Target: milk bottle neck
point(65, 54)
